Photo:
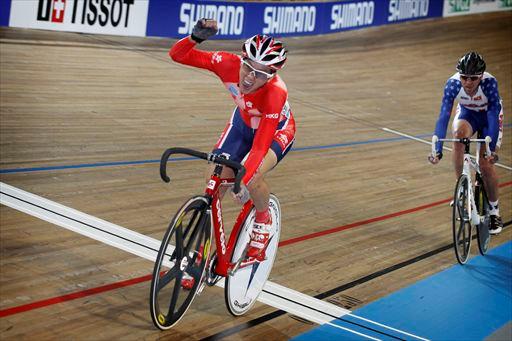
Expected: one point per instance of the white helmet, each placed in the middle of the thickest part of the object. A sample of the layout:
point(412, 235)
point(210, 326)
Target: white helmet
point(265, 50)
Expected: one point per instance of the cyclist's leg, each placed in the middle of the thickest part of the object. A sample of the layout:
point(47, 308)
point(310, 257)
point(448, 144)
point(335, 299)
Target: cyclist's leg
point(462, 128)
point(258, 187)
point(281, 145)
point(488, 170)
point(260, 191)
point(490, 178)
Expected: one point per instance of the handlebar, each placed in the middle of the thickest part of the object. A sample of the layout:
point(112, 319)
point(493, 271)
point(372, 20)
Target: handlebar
point(210, 157)
point(465, 141)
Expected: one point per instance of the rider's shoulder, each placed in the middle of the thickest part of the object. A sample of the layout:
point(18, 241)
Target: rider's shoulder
point(488, 78)
point(453, 82)
point(455, 78)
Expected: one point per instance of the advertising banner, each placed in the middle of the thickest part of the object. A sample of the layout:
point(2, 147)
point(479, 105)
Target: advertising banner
point(240, 20)
point(117, 17)
point(461, 7)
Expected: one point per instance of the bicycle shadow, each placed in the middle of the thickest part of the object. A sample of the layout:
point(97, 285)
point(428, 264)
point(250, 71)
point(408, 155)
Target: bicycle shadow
point(495, 274)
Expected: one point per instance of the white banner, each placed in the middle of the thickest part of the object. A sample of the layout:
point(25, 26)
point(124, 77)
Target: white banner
point(461, 7)
point(117, 17)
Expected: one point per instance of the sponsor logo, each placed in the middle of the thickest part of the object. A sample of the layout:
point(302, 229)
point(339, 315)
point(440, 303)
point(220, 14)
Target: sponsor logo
point(230, 19)
point(407, 9)
point(248, 104)
point(477, 98)
point(272, 116)
point(286, 110)
point(505, 3)
point(289, 19)
point(283, 139)
point(459, 5)
point(86, 12)
point(221, 228)
point(241, 305)
point(352, 15)
point(206, 250)
point(234, 91)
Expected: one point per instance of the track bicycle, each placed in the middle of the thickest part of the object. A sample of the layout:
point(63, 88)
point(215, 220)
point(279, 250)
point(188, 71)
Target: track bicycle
point(184, 264)
point(470, 203)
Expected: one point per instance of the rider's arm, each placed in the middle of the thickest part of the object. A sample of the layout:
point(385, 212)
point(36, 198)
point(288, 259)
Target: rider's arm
point(184, 52)
point(221, 63)
point(451, 90)
point(266, 131)
point(490, 89)
point(261, 144)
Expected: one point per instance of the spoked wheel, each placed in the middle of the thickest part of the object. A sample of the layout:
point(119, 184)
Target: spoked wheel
point(482, 231)
point(180, 264)
point(243, 288)
point(461, 220)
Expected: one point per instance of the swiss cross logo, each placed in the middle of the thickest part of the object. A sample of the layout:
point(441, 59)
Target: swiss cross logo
point(101, 13)
point(51, 10)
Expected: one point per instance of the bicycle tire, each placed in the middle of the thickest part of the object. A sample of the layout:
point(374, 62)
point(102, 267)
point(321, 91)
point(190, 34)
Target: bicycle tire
point(242, 289)
point(190, 231)
point(482, 205)
point(461, 224)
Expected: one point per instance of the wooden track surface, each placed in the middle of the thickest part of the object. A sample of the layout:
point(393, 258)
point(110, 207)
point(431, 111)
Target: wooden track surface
point(75, 99)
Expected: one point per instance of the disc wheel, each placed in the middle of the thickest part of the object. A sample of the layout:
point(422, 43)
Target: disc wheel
point(180, 264)
point(482, 231)
point(245, 285)
point(461, 220)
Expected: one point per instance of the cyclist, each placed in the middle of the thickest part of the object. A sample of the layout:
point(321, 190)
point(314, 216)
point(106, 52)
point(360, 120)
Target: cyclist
point(262, 128)
point(479, 110)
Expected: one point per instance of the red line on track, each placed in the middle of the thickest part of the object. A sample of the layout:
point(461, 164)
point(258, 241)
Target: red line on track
point(117, 285)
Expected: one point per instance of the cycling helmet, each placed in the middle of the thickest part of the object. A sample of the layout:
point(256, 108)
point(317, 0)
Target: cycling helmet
point(471, 64)
point(265, 50)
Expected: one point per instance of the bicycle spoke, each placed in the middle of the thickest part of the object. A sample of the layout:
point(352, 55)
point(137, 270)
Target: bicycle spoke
point(175, 294)
point(179, 245)
point(167, 277)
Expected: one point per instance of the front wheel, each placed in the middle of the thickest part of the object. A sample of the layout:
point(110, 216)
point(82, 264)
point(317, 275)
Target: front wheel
point(179, 267)
point(245, 285)
point(461, 221)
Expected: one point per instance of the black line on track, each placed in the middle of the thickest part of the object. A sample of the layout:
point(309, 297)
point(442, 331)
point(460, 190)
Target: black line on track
point(278, 313)
point(78, 221)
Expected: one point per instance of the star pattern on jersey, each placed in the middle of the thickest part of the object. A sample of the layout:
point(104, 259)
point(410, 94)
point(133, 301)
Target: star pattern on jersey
point(216, 57)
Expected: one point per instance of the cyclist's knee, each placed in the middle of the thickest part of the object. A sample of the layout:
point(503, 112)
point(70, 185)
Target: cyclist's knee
point(486, 167)
point(461, 132)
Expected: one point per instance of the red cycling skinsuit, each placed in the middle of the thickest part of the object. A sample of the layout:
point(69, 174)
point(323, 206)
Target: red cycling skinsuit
point(262, 119)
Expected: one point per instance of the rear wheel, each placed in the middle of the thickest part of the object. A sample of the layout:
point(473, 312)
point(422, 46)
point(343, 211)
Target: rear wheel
point(461, 220)
point(179, 267)
point(482, 205)
point(242, 289)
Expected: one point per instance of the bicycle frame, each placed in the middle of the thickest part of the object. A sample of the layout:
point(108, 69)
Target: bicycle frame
point(225, 249)
point(224, 266)
point(469, 164)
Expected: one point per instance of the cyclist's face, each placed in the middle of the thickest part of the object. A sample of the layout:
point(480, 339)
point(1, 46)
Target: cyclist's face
point(470, 83)
point(253, 76)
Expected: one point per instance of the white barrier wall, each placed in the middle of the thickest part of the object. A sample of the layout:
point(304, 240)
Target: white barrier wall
point(462, 7)
point(117, 17)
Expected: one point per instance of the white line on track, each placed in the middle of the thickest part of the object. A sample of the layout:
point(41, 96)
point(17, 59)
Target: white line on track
point(273, 294)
